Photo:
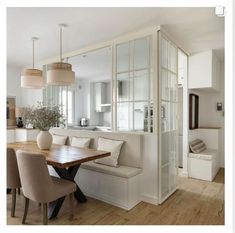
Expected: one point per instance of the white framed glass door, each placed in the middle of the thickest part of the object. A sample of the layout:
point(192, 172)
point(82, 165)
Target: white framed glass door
point(168, 115)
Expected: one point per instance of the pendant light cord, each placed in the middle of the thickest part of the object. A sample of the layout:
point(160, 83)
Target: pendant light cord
point(33, 53)
point(61, 44)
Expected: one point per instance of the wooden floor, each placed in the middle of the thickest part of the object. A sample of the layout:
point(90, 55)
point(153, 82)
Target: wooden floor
point(195, 202)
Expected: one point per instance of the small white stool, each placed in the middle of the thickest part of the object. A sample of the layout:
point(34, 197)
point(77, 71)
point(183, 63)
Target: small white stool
point(203, 165)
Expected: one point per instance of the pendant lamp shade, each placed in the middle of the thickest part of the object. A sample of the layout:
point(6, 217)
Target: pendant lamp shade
point(60, 73)
point(32, 78)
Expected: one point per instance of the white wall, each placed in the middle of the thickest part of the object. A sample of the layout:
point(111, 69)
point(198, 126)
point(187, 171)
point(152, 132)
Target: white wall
point(149, 181)
point(31, 96)
point(208, 115)
point(23, 96)
point(13, 83)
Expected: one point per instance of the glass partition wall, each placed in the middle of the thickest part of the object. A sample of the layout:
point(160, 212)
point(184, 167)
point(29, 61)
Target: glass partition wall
point(168, 119)
point(134, 101)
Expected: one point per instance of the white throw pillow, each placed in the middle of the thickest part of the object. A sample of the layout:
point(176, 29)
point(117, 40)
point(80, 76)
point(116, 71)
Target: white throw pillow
point(113, 146)
point(59, 139)
point(80, 142)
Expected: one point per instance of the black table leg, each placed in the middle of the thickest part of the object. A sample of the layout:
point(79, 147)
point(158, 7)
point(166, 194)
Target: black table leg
point(54, 207)
point(68, 174)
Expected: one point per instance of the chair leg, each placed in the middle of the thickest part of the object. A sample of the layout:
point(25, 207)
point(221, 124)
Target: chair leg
point(45, 214)
point(18, 191)
point(13, 204)
point(71, 206)
point(26, 207)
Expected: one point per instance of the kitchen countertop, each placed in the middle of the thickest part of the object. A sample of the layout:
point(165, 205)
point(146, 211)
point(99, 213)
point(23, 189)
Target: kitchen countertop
point(90, 127)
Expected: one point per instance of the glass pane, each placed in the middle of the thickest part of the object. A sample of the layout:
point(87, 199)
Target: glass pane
point(164, 85)
point(165, 181)
point(141, 53)
point(141, 85)
point(173, 58)
point(172, 175)
point(124, 116)
point(164, 54)
point(173, 87)
point(123, 57)
point(70, 107)
point(173, 119)
point(165, 116)
point(165, 147)
point(124, 87)
point(139, 116)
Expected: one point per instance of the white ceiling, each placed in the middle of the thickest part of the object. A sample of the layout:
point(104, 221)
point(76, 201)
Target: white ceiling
point(93, 66)
point(196, 29)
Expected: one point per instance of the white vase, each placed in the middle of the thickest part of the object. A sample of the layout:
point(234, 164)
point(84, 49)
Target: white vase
point(44, 140)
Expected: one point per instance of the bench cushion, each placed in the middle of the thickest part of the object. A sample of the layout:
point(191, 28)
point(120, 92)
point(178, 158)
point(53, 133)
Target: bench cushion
point(197, 146)
point(121, 171)
point(80, 142)
point(59, 139)
point(208, 154)
point(112, 146)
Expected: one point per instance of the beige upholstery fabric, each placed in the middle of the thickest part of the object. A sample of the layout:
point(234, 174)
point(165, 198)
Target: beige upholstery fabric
point(121, 171)
point(13, 177)
point(197, 146)
point(80, 142)
point(59, 139)
point(36, 182)
point(112, 146)
point(208, 154)
point(131, 152)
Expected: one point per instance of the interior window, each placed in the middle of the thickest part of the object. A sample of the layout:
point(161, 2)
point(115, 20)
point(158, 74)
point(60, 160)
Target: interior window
point(133, 75)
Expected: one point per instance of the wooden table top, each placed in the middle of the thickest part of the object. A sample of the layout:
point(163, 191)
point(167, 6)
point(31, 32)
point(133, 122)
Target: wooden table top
point(61, 156)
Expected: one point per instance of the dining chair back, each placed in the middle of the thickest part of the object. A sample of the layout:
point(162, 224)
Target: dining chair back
point(13, 178)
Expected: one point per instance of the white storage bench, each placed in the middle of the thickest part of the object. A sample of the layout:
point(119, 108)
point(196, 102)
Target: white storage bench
point(119, 186)
point(203, 165)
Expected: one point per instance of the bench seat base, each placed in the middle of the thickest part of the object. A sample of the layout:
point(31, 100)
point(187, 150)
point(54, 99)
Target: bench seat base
point(118, 191)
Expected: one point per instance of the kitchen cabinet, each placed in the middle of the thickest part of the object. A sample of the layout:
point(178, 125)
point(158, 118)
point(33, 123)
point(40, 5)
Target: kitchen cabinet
point(21, 135)
point(204, 71)
point(101, 97)
point(10, 135)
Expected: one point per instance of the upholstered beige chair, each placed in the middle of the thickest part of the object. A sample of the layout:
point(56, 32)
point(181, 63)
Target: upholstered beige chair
point(38, 185)
point(13, 178)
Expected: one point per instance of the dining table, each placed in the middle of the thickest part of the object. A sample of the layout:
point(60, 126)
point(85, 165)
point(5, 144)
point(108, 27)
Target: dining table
point(66, 161)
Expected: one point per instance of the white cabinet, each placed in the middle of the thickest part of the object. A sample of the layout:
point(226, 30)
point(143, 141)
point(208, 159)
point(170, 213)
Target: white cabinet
point(21, 135)
point(204, 71)
point(101, 97)
point(10, 135)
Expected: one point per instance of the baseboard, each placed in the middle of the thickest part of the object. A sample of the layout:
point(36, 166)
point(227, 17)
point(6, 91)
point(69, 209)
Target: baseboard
point(150, 199)
point(184, 174)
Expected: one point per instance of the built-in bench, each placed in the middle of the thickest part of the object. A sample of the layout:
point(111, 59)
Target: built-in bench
point(120, 185)
point(205, 165)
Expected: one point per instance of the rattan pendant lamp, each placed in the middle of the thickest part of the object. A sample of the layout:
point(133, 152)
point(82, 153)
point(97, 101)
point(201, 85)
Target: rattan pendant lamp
point(32, 78)
point(60, 73)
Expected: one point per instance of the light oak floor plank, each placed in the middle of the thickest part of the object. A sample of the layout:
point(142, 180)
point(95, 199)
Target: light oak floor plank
point(195, 202)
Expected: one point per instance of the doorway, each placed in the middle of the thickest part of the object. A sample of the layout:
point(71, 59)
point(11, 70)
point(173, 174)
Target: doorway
point(182, 113)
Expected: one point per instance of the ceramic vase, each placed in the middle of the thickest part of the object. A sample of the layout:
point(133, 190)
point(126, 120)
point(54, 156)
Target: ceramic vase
point(44, 140)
